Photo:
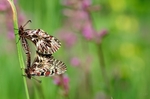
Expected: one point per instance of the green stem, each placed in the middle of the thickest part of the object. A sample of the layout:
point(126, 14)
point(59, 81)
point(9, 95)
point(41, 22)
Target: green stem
point(103, 68)
point(15, 22)
point(101, 59)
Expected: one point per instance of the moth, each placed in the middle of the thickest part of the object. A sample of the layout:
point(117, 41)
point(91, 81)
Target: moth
point(45, 65)
point(45, 43)
point(25, 45)
point(27, 51)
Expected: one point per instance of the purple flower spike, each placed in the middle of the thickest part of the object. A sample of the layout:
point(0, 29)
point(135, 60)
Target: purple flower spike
point(4, 5)
point(87, 31)
point(11, 35)
point(56, 80)
point(86, 3)
point(21, 18)
point(63, 81)
point(66, 82)
point(68, 37)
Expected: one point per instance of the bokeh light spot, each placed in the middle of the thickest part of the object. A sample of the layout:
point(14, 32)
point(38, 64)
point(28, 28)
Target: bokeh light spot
point(127, 24)
point(127, 50)
point(117, 5)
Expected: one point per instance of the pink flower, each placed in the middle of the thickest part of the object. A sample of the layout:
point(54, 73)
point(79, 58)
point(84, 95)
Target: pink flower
point(56, 80)
point(68, 37)
point(86, 3)
point(21, 18)
point(4, 5)
point(100, 35)
point(66, 82)
point(9, 21)
point(75, 61)
point(88, 31)
point(11, 35)
point(75, 14)
point(76, 19)
point(63, 81)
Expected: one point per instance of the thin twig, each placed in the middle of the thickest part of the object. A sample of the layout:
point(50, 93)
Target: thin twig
point(103, 68)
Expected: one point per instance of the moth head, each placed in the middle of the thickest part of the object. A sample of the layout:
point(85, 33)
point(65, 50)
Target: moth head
point(29, 75)
point(27, 71)
point(21, 28)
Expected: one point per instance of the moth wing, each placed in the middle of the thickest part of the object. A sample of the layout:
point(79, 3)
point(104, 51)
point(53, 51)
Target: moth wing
point(48, 45)
point(57, 65)
point(48, 66)
point(27, 50)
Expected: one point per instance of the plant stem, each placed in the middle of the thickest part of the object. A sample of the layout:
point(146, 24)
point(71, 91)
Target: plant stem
point(101, 58)
point(103, 68)
point(15, 22)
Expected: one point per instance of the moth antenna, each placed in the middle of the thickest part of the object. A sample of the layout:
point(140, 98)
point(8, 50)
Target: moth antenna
point(37, 80)
point(26, 23)
point(33, 78)
point(22, 68)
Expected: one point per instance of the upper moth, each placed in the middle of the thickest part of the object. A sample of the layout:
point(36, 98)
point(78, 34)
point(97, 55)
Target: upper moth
point(45, 43)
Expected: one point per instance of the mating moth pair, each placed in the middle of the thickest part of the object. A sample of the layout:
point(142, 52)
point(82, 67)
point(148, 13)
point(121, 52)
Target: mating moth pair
point(44, 63)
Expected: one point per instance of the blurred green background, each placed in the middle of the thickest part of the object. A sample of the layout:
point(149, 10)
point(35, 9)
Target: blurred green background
point(125, 50)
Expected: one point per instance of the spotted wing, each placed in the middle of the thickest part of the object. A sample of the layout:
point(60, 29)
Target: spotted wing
point(47, 66)
point(27, 50)
point(45, 43)
point(24, 43)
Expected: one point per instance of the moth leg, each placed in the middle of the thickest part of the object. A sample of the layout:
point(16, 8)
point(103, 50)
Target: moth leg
point(22, 68)
point(37, 80)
